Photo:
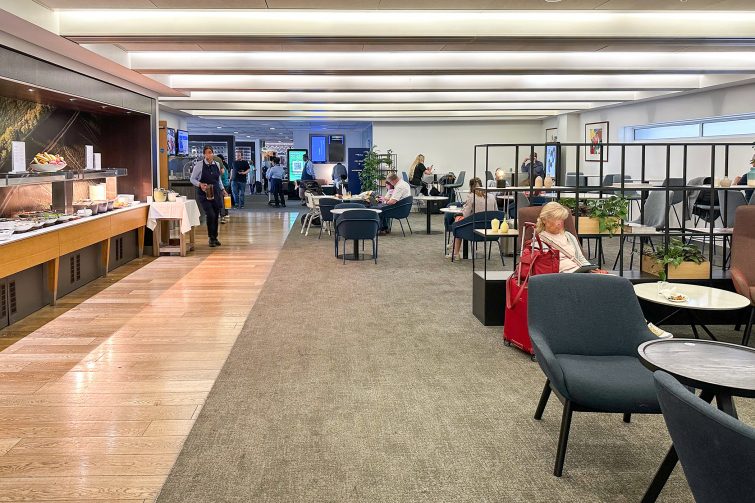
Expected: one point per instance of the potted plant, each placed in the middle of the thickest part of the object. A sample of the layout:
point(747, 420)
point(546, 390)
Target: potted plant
point(371, 172)
point(599, 216)
point(684, 260)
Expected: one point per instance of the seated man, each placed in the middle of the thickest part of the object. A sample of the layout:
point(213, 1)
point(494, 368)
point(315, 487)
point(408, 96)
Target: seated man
point(401, 190)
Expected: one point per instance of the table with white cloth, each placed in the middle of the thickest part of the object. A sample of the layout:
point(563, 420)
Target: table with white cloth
point(161, 215)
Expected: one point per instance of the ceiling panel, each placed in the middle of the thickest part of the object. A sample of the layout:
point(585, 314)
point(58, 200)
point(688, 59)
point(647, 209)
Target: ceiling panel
point(689, 5)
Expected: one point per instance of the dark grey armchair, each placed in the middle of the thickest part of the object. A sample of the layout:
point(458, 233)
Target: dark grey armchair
point(585, 329)
point(717, 451)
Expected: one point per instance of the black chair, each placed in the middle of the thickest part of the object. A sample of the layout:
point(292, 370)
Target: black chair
point(326, 204)
point(340, 206)
point(399, 211)
point(457, 184)
point(464, 229)
point(717, 452)
point(703, 208)
point(358, 225)
point(585, 332)
point(448, 224)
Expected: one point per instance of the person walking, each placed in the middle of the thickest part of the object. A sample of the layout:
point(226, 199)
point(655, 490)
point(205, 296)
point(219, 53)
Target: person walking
point(275, 175)
point(307, 174)
point(205, 176)
point(239, 174)
point(263, 172)
point(225, 179)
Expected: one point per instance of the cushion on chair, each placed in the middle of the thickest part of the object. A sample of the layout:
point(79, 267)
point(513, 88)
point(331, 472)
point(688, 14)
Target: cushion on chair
point(609, 383)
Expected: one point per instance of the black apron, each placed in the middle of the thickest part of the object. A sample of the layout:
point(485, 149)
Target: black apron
point(211, 176)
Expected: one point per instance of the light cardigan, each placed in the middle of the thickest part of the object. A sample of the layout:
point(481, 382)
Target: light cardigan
point(568, 242)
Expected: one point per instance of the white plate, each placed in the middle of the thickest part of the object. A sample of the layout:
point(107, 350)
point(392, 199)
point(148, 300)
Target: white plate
point(46, 168)
point(685, 299)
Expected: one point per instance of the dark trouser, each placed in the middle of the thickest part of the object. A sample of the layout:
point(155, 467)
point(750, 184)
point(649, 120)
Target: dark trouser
point(212, 213)
point(239, 188)
point(276, 186)
point(264, 184)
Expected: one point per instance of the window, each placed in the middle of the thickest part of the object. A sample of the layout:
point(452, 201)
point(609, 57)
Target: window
point(729, 127)
point(716, 126)
point(667, 132)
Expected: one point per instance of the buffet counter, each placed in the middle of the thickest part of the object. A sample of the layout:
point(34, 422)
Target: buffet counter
point(47, 246)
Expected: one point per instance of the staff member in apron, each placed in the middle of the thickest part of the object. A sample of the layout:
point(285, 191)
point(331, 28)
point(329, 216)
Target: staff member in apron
point(206, 178)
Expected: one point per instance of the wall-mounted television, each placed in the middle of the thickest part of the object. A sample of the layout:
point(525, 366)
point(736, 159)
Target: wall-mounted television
point(171, 135)
point(552, 160)
point(183, 142)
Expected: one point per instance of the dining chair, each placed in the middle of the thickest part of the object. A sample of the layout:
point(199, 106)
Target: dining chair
point(703, 208)
point(742, 265)
point(655, 215)
point(465, 228)
point(326, 217)
point(457, 184)
point(358, 225)
point(399, 211)
point(716, 451)
point(589, 355)
point(314, 212)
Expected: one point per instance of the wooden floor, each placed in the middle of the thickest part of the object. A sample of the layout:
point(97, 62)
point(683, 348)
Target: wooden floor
point(98, 394)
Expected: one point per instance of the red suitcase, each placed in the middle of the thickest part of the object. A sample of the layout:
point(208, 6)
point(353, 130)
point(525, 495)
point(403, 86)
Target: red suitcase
point(533, 261)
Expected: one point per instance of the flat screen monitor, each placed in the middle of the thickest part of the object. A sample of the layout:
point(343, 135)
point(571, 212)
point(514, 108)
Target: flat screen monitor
point(551, 160)
point(319, 145)
point(183, 142)
point(295, 164)
point(171, 137)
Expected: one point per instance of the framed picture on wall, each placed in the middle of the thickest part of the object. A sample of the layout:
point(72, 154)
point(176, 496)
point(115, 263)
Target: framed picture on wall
point(551, 135)
point(596, 135)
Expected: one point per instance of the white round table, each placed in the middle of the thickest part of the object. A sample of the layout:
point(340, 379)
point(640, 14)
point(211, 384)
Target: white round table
point(454, 210)
point(699, 297)
point(428, 200)
point(341, 211)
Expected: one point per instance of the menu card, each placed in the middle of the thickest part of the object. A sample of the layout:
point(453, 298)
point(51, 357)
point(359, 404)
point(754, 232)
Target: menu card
point(89, 156)
point(97, 162)
point(19, 156)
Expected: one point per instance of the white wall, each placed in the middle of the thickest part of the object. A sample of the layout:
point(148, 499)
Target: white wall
point(715, 103)
point(450, 145)
point(174, 121)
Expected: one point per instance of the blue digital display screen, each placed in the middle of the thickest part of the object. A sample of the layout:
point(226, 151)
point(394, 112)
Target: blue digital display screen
point(183, 142)
point(551, 160)
point(319, 148)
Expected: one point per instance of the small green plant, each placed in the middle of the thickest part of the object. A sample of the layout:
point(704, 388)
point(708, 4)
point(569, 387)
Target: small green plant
point(677, 252)
point(609, 211)
point(371, 173)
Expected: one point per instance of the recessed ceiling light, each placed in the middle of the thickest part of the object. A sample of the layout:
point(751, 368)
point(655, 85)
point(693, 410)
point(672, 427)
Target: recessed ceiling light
point(248, 136)
point(272, 128)
point(71, 99)
point(235, 132)
point(31, 90)
point(103, 106)
point(220, 127)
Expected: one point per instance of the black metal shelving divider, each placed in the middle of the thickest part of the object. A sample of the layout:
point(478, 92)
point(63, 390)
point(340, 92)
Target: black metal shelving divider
point(579, 190)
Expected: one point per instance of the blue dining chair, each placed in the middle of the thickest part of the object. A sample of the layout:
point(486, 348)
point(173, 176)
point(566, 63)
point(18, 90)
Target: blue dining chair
point(399, 211)
point(358, 225)
point(465, 229)
point(326, 204)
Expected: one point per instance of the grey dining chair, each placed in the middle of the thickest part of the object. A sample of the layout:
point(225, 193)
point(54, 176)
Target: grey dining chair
point(655, 215)
point(677, 196)
point(589, 356)
point(458, 184)
point(717, 452)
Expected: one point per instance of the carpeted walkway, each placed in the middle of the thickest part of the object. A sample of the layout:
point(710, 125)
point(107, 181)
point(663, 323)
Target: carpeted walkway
point(365, 382)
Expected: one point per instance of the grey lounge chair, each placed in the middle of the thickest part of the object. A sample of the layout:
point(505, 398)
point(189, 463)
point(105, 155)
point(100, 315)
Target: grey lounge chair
point(585, 331)
point(717, 452)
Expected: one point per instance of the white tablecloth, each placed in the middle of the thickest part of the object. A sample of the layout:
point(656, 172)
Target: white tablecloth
point(187, 212)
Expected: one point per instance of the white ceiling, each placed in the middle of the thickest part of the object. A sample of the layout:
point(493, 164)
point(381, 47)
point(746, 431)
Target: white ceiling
point(331, 61)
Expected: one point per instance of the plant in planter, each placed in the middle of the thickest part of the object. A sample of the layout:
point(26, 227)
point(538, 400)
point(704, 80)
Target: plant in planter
point(370, 174)
point(675, 256)
point(599, 215)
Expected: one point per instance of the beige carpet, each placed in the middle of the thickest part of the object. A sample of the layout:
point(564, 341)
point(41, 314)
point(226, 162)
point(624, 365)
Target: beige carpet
point(364, 382)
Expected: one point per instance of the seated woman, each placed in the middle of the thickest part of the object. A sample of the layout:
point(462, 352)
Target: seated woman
point(417, 170)
point(477, 202)
point(550, 228)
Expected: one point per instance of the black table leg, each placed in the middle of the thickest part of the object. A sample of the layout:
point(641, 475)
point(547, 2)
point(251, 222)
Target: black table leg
point(356, 249)
point(427, 210)
point(694, 320)
point(667, 466)
point(465, 250)
point(726, 404)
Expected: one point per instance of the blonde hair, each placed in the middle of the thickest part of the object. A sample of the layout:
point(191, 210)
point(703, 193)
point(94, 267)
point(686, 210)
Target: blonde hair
point(419, 159)
point(551, 211)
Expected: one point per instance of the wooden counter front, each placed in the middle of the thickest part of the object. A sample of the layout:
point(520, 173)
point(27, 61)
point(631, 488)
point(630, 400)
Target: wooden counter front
point(48, 245)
